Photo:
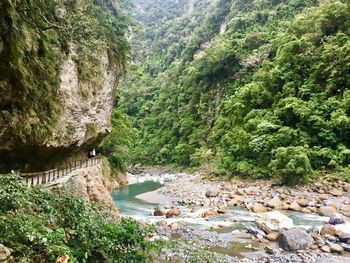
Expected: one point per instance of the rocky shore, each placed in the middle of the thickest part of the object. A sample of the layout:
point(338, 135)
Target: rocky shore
point(270, 236)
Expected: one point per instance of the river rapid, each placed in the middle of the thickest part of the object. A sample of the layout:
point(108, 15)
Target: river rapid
point(223, 234)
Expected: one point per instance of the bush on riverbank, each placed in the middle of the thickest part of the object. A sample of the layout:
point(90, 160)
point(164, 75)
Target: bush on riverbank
point(41, 225)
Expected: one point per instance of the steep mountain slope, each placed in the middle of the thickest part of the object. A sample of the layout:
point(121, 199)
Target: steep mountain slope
point(252, 87)
point(59, 63)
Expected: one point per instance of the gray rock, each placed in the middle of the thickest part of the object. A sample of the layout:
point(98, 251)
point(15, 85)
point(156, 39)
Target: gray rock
point(344, 238)
point(336, 220)
point(212, 193)
point(255, 231)
point(269, 250)
point(313, 231)
point(346, 247)
point(294, 239)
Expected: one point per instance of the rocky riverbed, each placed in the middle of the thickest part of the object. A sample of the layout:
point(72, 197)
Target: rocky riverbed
point(241, 221)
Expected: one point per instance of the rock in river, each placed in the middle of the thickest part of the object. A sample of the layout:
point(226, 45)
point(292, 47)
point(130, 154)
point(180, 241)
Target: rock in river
point(294, 239)
point(336, 220)
point(158, 212)
point(273, 221)
point(327, 211)
point(173, 212)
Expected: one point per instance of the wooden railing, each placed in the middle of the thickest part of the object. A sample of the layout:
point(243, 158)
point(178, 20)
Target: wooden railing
point(46, 177)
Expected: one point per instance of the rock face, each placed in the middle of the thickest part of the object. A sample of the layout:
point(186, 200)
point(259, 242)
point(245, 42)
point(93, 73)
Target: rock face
point(83, 123)
point(294, 239)
point(87, 183)
point(56, 97)
point(73, 127)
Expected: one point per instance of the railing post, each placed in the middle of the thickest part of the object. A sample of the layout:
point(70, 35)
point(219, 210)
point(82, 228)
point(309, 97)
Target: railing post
point(46, 177)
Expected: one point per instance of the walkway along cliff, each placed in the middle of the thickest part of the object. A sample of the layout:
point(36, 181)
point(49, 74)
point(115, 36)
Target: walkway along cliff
point(51, 176)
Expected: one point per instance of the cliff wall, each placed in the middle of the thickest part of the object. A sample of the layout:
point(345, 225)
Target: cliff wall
point(60, 62)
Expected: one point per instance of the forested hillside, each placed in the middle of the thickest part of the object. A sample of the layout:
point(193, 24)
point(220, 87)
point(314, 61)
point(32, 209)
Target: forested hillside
point(250, 88)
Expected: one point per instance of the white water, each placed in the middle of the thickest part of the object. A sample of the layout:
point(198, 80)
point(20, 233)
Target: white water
point(236, 218)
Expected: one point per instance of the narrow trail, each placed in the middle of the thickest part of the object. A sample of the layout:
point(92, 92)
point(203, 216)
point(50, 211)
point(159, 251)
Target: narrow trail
point(50, 177)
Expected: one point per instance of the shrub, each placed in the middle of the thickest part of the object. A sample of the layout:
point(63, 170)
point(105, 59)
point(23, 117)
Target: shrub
point(40, 226)
point(291, 164)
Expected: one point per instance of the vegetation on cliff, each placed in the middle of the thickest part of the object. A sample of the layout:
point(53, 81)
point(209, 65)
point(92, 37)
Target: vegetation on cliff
point(35, 38)
point(255, 88)
point(41, 225)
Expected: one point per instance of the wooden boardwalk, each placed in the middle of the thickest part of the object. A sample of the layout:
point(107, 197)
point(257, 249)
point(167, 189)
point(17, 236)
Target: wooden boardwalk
point(46, 177)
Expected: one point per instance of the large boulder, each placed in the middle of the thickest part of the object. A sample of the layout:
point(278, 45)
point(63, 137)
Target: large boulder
point(259, 208)
point(88, 184)
point(303, 202)
point(209, 213)
point(328, 229)
point(122, 179)
point(212, 193)
point(336, 192)
point(295, 206)
point(273, 236)
point(327, 211)
point(275, 203)
point(173, 213)
point(273, 221)
point(158, 212)
point(294, 239)
point(336, 248)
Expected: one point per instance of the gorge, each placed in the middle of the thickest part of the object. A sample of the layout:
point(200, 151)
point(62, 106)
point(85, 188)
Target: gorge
point(229, 120)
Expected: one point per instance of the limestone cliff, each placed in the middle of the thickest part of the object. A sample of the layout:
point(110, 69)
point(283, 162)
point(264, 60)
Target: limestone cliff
point(59, 65)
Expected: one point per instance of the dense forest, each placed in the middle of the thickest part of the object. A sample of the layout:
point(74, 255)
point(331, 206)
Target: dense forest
point(249, 88)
